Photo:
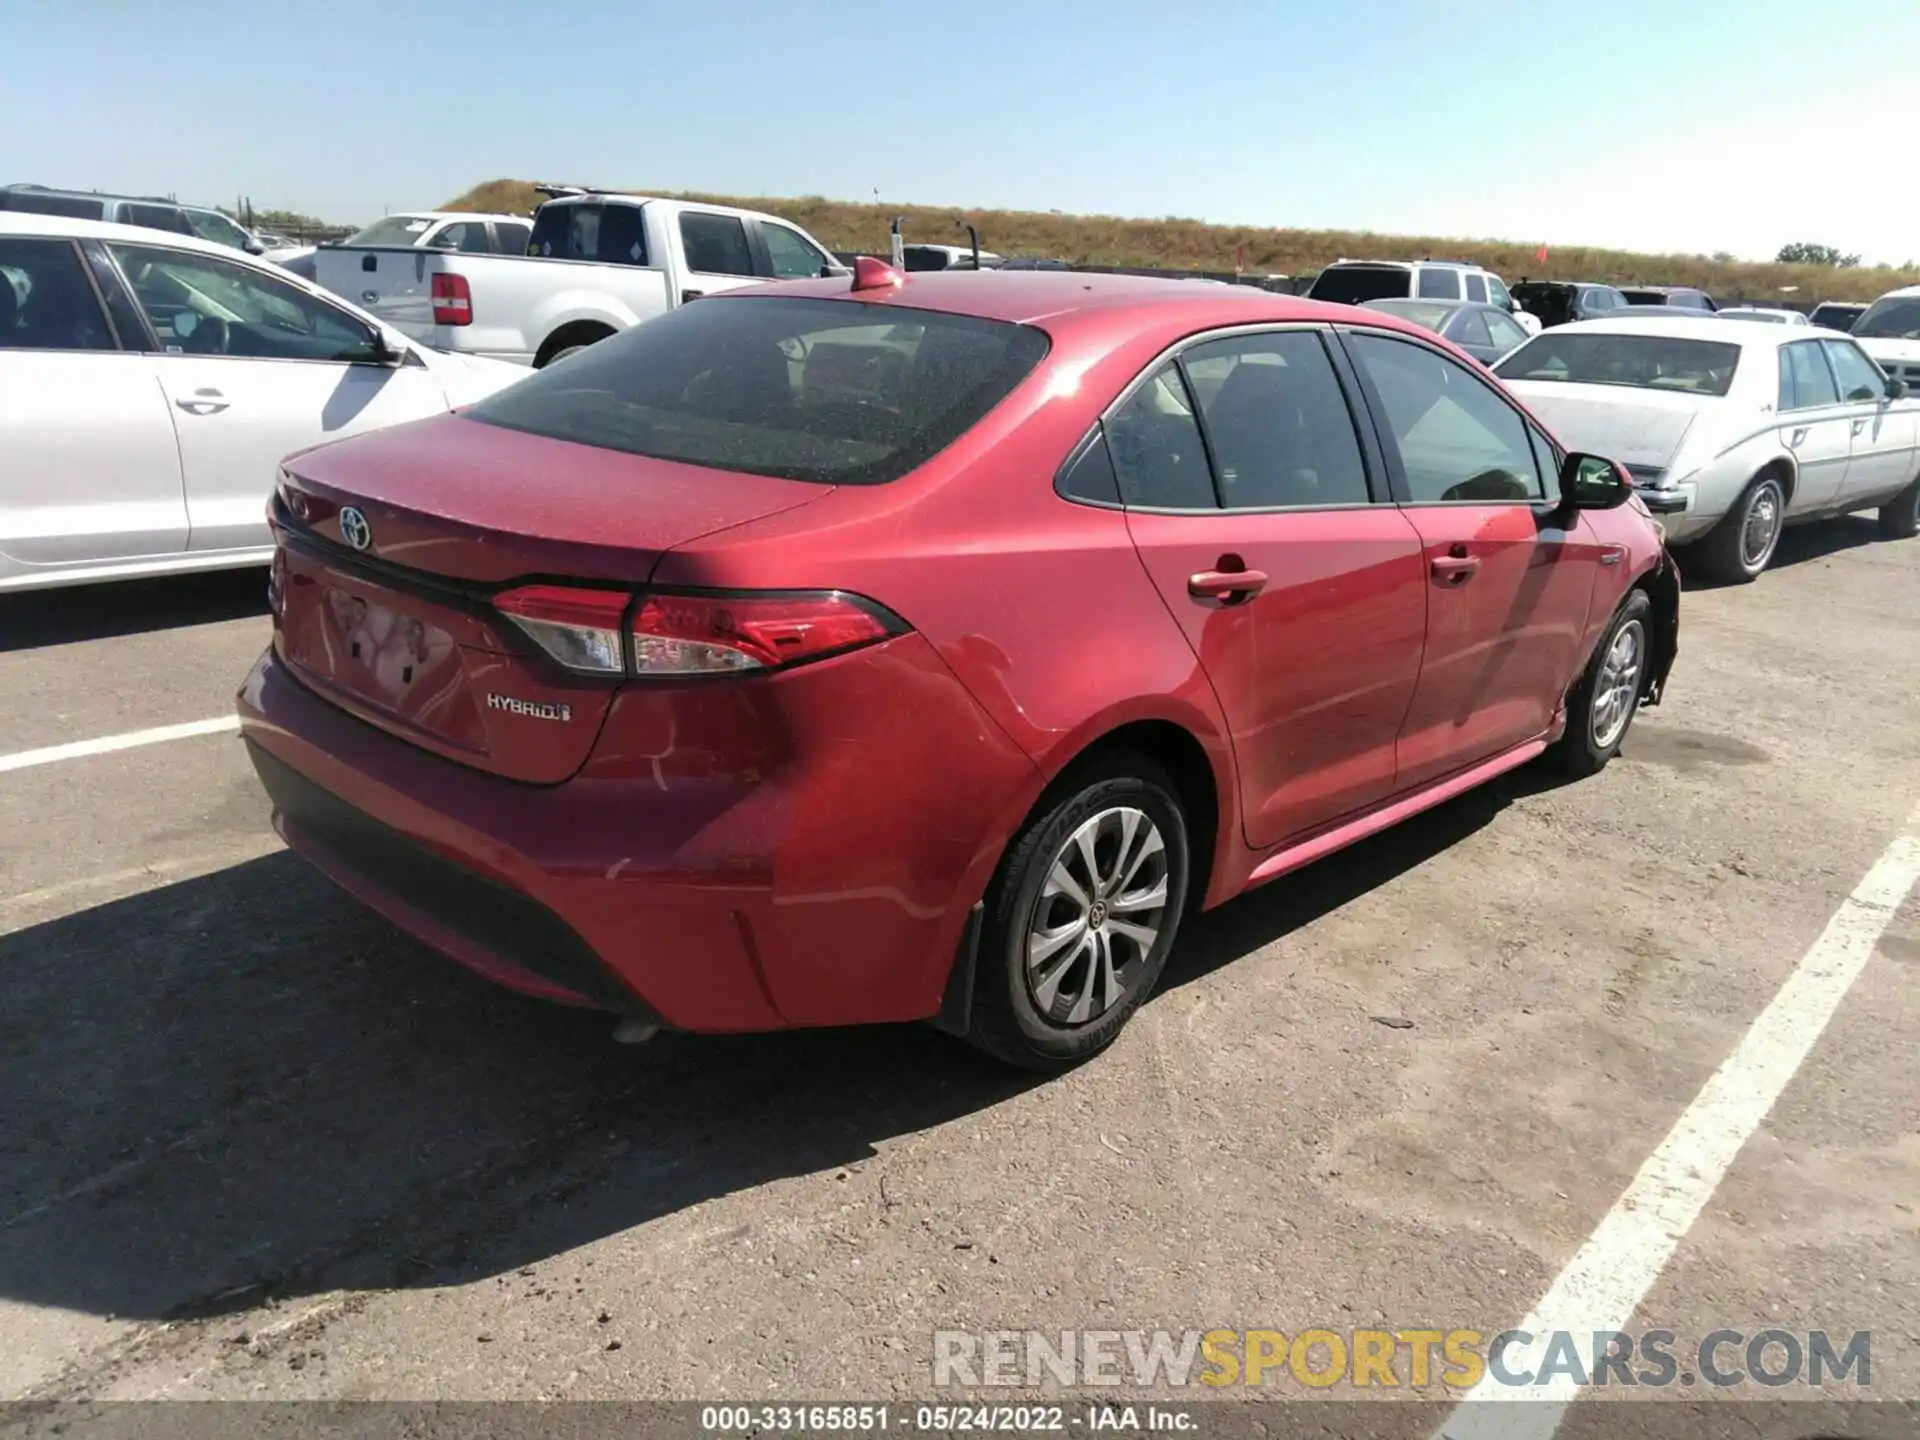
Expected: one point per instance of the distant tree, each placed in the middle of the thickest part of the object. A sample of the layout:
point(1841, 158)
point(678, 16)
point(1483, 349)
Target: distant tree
point(1802, 253)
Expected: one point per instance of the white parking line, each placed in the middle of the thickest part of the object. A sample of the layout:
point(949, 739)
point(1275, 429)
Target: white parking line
point(106, 744)
point(1611, 1274)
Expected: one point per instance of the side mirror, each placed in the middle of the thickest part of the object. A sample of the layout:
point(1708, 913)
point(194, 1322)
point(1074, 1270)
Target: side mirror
point(833, 269)
point(1896, 389)
point(386, 350)
point(1593, 482)
point(254, 247)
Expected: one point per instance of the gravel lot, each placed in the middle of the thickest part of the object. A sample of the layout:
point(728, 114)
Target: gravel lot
point(254, 1143)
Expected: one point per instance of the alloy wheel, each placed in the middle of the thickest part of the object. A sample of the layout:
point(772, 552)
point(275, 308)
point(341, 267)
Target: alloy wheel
point(1617, 690)
point(1099, 913)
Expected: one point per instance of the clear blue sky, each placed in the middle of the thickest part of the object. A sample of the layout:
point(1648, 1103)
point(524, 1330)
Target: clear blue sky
point(1679, 125)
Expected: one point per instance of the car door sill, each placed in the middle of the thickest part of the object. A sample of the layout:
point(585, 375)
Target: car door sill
point(1371, 822)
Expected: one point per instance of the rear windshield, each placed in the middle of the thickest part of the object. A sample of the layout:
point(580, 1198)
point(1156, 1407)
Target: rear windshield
point(1551, 301)
point(35, 204)
point(1890, 319)
point(1836, 317)
point(1644, 362)
point(830, 391)
point(393, 230)
point(1356, 285)
point(608, 234)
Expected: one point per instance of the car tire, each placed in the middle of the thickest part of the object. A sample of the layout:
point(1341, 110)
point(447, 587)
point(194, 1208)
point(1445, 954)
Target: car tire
point(1062, 964)
point(1601, 708)
point(1742, 544)
point(1900, 516)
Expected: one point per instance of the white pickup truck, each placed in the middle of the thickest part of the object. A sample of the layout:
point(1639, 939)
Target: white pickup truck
point(596, 264)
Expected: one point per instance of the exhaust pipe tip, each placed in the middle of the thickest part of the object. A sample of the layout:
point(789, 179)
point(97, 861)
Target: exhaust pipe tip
point(634, 1031)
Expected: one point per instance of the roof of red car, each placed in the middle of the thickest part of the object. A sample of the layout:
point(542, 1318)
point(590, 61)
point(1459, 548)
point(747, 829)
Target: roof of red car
point(1028, 296)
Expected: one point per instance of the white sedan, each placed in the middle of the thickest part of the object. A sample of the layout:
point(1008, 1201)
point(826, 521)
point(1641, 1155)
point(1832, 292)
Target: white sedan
point(1731, 431)
point(151, 383)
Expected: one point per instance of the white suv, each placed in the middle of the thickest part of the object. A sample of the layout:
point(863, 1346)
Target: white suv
point(1354, 282)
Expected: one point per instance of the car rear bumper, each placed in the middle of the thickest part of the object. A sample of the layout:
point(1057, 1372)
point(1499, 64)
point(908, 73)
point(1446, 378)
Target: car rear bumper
point(828, 882)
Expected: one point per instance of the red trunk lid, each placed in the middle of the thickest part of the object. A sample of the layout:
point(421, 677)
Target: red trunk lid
point(403, 632)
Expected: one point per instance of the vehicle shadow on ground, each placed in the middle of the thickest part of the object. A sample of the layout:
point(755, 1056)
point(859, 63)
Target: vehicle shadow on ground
point(1798, 546)
point(244, 1086)
point(36, 618)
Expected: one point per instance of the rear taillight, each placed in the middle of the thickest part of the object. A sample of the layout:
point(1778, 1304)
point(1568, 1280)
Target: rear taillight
point(673, 636)
point(452, 300)
point(579, 628)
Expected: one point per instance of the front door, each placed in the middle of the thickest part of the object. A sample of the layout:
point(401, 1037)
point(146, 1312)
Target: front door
point(1301, 594)
point(1814, 425)
point(1882, 458)
point(254, 369)
point(1508, 574)
point(88, 468)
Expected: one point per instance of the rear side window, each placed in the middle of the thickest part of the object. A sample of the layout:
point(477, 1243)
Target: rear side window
point(1277, 421)
point(1471, 330)
point(45, 300)
point(33, 203)
point(816, 390)
point(1476, 289)
point(1090, 475)
point(1805, 380)
point(1439, 284)
point(1157, 449)
point(715, 244)
point(156, 217)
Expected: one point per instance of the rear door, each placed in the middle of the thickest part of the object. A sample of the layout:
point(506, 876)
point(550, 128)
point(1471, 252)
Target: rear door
point(716, 253)
point(88, 467)
point(1272, 542)
point(253, 369)
point(1814, 425)
point(1508, 575)
point(1881, 460)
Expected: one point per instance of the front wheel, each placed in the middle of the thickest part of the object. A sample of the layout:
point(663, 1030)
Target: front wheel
point(1603, 704)
point(1081, 916)
point(1742, 544)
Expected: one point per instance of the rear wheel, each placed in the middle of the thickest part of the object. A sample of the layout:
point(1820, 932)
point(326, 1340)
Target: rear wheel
point(1601, 709)
point(1900, 516)
point(1081, 916)
point(1742, 544)
point(568, 341)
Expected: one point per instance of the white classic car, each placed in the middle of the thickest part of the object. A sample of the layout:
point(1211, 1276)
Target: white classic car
point(151, 383)
point(1731, 431)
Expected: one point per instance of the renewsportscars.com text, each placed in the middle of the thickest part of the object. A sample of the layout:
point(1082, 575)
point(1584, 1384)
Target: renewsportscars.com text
point(1319, 1359)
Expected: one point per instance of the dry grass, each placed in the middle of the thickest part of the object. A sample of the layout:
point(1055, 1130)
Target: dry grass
point(1175, 243)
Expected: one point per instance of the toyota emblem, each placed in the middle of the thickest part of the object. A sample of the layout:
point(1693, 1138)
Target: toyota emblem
point(354, 528)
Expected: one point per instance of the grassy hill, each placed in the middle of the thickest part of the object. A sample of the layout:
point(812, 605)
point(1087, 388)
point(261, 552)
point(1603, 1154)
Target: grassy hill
point(1192, 244)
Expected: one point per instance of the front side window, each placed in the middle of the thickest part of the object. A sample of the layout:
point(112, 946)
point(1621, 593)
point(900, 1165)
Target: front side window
point(1459, 442)
point(212, 225)
point(1476, 289)
point(45, 300)
point(469, 236)
point(201, 305)
point(1644, 362)
point(1471, 329)
point(1436, 284)
point(512, 236)
point(1507, 334)
point(792, 257)
point(715, 244)
point(1859, 377)
point(1277, 421)
point(1805, 380)
point(1497, 293)
point(1157, 449)
point(800, 389)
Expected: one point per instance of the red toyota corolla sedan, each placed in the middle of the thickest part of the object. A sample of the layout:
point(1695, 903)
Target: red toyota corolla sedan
point(927, 647)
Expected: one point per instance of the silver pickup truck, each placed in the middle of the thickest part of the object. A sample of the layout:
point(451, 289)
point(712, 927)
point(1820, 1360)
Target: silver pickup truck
point(595, 264)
